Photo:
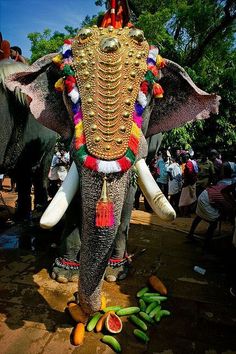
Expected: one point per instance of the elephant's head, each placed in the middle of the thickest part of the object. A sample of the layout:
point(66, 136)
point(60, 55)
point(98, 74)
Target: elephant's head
point(110, 81)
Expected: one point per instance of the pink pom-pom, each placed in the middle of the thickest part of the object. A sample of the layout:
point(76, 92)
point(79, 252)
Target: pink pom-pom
point(137, 119)
point(78, 117)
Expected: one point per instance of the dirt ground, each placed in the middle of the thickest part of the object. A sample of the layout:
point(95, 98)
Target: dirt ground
point(32, 306)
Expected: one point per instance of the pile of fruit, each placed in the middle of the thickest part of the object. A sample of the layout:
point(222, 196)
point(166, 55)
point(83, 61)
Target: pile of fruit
point(149, 312)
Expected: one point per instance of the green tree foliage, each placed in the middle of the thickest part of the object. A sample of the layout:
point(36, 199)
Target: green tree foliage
point(46, 42)
point(200, 36)
point(50, 42)
point(197, 34)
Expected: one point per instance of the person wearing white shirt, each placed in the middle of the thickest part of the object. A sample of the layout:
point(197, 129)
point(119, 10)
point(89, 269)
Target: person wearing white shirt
point(174, 182)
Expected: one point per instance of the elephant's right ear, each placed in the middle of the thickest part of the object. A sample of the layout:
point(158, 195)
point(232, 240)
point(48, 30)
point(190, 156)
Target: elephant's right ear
point(182, 102)
point(46, 104)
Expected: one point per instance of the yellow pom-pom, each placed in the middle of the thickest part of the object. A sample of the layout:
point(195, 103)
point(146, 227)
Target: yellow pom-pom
point(160, 62)
point(57, 59)
point(59, 85)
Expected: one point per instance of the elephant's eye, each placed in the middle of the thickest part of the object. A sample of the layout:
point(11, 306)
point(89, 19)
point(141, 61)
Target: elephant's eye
point(137, 35)
point(84, 34)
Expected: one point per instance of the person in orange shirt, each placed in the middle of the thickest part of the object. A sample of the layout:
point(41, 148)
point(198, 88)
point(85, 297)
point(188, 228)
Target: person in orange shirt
point(117, 15)
point(4, 48)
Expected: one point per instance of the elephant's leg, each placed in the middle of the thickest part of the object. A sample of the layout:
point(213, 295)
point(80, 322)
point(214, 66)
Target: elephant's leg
point(66, 266)
point(97, 243)
point(40, 175)
point(40, 189)
point(118, 265)
point(23, 182)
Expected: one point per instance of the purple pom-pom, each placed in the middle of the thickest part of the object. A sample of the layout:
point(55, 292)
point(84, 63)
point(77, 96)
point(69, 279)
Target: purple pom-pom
point(67, 54)
point(75, 107)
point(150, 61)
point(139, 109)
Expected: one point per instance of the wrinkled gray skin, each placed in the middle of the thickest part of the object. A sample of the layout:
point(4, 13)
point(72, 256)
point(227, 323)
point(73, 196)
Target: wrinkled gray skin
point(182, 102)
point(26, 149)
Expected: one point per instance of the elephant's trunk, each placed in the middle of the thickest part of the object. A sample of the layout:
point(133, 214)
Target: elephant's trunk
point(97, 243)
point(152, 192)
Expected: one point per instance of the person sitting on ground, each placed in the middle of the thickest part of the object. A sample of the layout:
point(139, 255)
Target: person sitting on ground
point(214, 203)
point(16, 54)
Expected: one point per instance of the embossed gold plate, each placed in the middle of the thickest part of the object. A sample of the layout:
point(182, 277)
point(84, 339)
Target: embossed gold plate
point(110, 65)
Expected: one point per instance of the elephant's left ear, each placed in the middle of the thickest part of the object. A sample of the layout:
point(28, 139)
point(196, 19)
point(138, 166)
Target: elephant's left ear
point(182, 101)
point(46, 104)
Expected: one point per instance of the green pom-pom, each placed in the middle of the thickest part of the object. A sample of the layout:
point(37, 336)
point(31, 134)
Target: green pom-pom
point(149, 76)
point(82, 153)
point(130, 155)
point(68, 71)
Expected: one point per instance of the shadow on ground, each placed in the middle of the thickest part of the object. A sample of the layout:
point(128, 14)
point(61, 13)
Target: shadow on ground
point(203, 314)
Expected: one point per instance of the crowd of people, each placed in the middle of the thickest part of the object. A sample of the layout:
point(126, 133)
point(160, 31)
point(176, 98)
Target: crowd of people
point(10, 52)
point(203, 187)
point(58, 170)
point(183, 178)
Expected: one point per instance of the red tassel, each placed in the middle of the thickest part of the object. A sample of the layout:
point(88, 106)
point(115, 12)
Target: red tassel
point(104, 209)
point(104, 214)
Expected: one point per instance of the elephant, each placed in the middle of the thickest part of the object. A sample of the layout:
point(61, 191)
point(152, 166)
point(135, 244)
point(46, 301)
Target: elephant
point(26, 146)
point(66, 265)
point(110, 83)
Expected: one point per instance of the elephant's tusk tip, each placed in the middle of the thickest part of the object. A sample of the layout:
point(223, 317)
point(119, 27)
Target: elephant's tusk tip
point(43, 226)
point(169, 216)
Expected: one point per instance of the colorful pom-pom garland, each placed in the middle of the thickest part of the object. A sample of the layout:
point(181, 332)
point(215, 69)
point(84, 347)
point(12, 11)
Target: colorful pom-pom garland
point(149, 85)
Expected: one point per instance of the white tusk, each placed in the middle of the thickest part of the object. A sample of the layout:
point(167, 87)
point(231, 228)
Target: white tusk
point(62, 199)
point(152, 192)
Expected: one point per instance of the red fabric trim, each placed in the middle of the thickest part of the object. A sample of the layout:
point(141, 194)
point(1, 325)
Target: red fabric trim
point(70, 83)
point(133, 144)
point(68, 41)
point(91, 163)
point(153, 69)
point(70, 263)
point(116, 260)
point(144, 87)
point(79, 142)
point(124, 163)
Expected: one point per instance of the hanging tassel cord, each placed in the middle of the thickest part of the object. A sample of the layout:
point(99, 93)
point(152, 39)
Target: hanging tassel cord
point(104, 209)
